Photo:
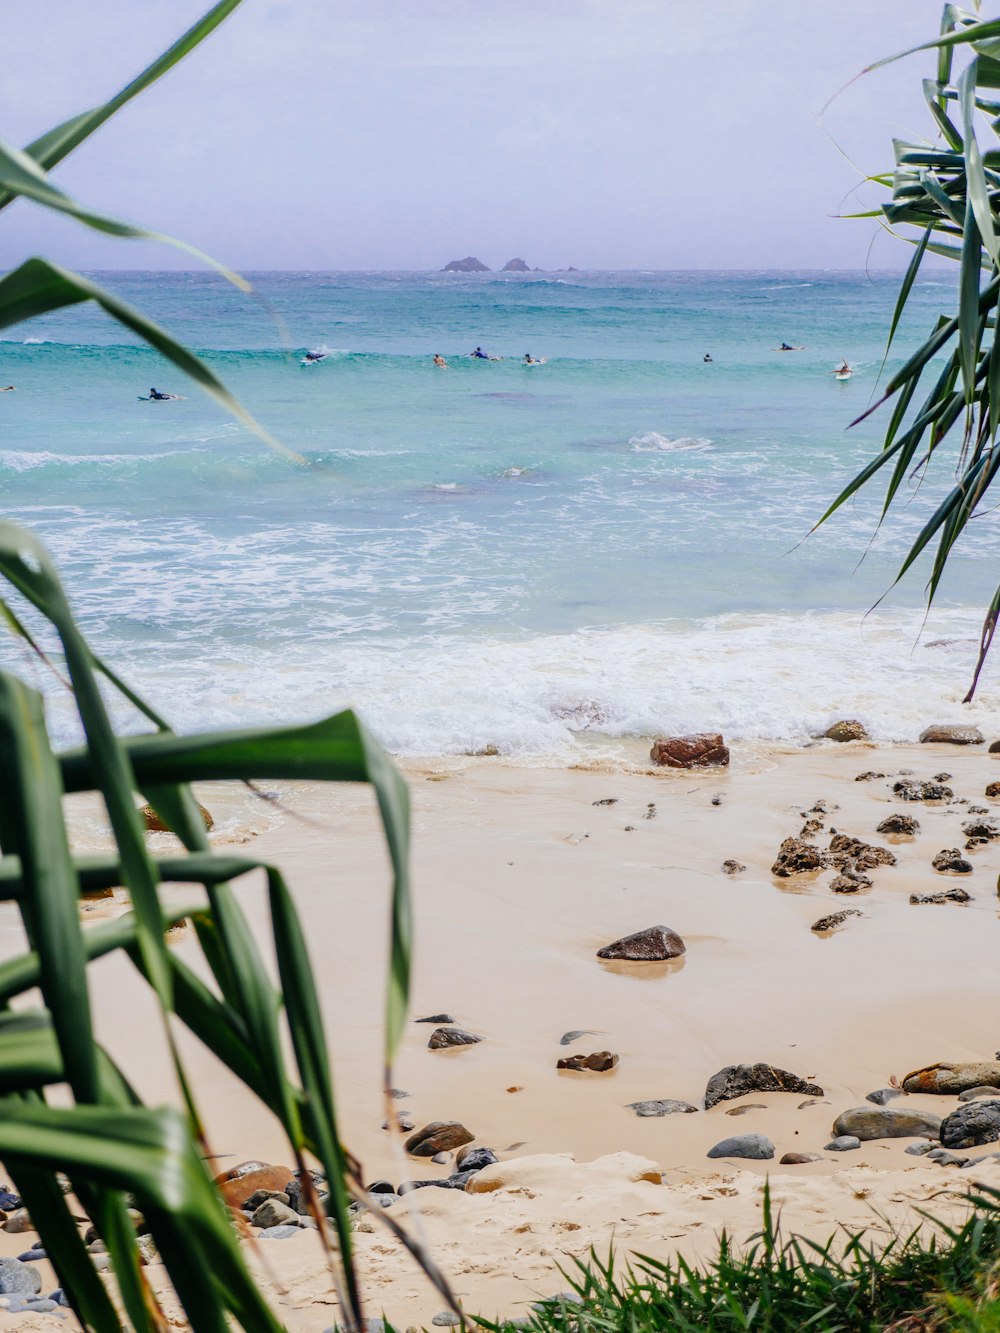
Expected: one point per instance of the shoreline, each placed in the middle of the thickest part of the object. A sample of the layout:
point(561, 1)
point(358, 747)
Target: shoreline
point(519, 877)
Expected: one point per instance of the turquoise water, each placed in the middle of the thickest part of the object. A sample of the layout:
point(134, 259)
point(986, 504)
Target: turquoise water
point(492, 553)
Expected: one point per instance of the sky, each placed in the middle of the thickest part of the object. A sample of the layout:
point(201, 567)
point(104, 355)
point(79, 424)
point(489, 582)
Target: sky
point(387, 134)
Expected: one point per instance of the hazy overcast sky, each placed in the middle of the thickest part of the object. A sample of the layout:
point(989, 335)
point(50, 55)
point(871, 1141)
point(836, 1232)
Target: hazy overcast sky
point(336, 134)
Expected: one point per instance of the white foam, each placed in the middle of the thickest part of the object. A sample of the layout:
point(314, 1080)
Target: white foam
point(652, 442)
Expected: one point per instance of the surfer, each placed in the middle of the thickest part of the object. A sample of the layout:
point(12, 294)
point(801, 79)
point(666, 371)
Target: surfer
point(843, 368)
point(787, 347)
point(7, 388)
point(530, 360)
point(440, 362)
point(311, 358)
point(155, 396)
point(707, 358)
point(479, 355)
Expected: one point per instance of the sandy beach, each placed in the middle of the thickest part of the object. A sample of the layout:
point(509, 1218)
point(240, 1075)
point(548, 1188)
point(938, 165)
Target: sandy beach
point(520, 875)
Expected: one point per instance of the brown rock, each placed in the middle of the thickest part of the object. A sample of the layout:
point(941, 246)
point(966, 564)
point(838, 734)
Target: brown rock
point(155, 824)
point(848, 729)
point(800, 1158)
point(702, 750)
point(237, 1184)
point(852, 854)
point(18, 1222)
point(653, 945)
point(937, 899)
point(868, 776)
point(835, 919)
point(959, 734)
point(949, 1079)
point(848, 882)
point(796, 857)
point(738, 1080)
point(994, 747)
point(444, 1037)
point(240, 1224)
point(901, 825)
point(438, 1136)
point(599, 1062)
point(994, 788)
point(949, 862)
point(732, 867)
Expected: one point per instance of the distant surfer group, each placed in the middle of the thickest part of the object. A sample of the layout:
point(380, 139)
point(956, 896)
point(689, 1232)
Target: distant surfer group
point(477, 354)
point(843, 372)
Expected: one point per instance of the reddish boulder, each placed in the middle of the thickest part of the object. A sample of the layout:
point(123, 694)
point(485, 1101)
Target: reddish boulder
point(599, 1062)
point(438, 1136)
point(703, 750)
point(237, 1184)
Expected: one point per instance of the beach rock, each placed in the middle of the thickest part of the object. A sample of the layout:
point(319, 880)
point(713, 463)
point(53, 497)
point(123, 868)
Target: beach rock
point(470, 264)
point(835, 919)
point(737, 1081)
point(756, 1147)
point(848, 729)
point(869, 776)
point(9, 1200)
point(941, 777)
point(261, 1196)
point(994, 787)
point(844, 1143)
point(515, 265)
point(598, 1062)
point(972, 1094)
point(979, 809)
point(939, 899)
point(945, 1158)
point(17, 1278)
point(701, 750)
point(442, 1038)
point(240, 1182)
point(851, 854)
point(154, 824)
point(866, 1122)
point(436, 1018)
point(271, 1213)
point(448, 1318)
point(949, 1079)
point(380, 1187)
point(881, 1096)
point(240, 1222)
point(18, 1222)
point(920, 1149)
point(800, 1158)
point(972, 1124)
point(732, 867)
point(33, 1255)
point(981, 830)
point(441, 1158)
point(948, 734)
point(403, 1122)
point(664, 1106)
point(796, 857)
point(438, 1136)
point(607, 800)
point(746, 1108)
point(575, 1034)
point(850, 882)
point(949, 861)
point(279, 1233)
point(908, 790)
point(471, 1158)
point(901, 825)
point(654, 944)
point(810, 828)
point(994, 747)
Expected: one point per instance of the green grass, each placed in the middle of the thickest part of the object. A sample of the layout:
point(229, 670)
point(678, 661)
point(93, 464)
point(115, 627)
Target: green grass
point(934, 1278)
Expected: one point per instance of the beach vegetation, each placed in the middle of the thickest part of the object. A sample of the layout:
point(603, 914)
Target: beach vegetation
point(945, 200)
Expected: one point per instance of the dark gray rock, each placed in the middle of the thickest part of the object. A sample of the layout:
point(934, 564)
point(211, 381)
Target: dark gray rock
point(868, 1122)
point(472, 1159)
point(869, 776)
point(448, 1318)
point(33, 1255)
point(607, 800)
point(746, 1108)
point(973, 1094)
point(920, 1149)
point(737, 1081)
point(900, 825)
point(949, 861)
point(442, 1038)
point(952, 734)
point(971, 1125)
point(568, 1038)
point(664, 1106)
point(655, 944)
point(470, 264)
point(261, 1196)
point(436, 1018)
point(908, 790)
point(945, 1158)
point(756, 1147)
point(881, 1096)
point(843, 1143)
point(946, 896)
point(19, 1279)
point(380, 1187)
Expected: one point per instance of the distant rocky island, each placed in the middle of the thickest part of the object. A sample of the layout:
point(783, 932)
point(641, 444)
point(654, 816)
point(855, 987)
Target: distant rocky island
point(471, 264)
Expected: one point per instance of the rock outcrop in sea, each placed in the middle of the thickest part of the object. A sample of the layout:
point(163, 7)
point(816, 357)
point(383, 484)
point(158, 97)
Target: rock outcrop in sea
point(470, 264)
point(515, 265)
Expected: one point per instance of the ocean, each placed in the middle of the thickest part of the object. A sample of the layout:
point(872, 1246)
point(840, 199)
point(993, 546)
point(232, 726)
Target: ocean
point(540, 558)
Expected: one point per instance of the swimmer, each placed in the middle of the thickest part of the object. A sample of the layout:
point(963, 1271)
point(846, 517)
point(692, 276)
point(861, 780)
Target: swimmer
point(479, 355)
point(7, 388)
point(440, 361)
point(530, 360)
point(707, 358)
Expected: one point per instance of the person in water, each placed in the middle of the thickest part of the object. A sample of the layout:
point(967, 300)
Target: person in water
point(479, 354)
point(7, 388)
point(530, 360)
point(440, 361)
point(843, 368)
point(707, 357)
point(157, 397)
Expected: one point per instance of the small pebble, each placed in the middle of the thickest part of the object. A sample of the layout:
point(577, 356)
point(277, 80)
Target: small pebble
point(446, 1319)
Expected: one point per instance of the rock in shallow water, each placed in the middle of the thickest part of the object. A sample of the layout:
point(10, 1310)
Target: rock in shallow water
point(655, 944)
point(937, 899)
point(442, 1038)
point(664, 1106)
point(867, 1123)
point(438, 1136)
point(847, 729)
point(951, 734)
point(796, 857)
point(739, 1080)
point(835, 919)
point(901, 825)
point(756, 1147)
point(598, 1062)
point(701, 750)
point(950, 861)
point(972, 1124)
point(732, 867)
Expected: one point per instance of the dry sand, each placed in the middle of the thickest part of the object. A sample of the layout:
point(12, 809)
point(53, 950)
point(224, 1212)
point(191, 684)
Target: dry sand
point(519, 879)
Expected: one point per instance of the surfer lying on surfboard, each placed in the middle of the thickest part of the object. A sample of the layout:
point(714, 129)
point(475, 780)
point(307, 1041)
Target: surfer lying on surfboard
point(787, 347)
point(530, 360)
point(155, 396)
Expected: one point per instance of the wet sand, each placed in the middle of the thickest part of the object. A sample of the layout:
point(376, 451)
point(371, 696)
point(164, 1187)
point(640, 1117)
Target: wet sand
point(518, 879)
